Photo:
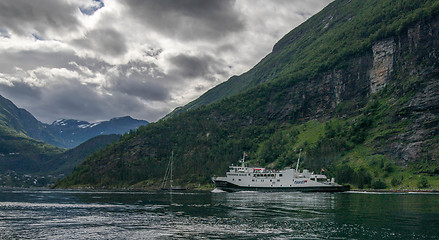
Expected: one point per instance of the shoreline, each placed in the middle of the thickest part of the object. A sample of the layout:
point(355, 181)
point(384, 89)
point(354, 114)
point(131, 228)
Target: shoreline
point(91, 189)
point(397, 190)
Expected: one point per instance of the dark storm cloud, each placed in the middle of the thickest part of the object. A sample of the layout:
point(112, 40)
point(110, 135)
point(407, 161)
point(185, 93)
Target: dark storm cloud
point(75, 100)
point(135, 79)
point(187, 66)
point(24, 16)
point(32, 59)
point(69, 98)
point(105, 41)
point(22, 89)
point(189, 19)
point(147, 90)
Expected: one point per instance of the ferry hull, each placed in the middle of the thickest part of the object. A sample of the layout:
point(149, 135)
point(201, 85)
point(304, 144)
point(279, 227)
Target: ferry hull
point(230, 187)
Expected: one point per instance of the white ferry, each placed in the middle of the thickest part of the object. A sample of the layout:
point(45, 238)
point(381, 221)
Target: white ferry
point(244, 178)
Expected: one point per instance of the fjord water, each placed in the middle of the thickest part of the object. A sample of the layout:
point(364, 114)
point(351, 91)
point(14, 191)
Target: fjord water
point(55, 214)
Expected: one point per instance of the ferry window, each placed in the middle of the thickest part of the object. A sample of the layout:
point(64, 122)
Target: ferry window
point(280, 175)
point(278, 180)
point(239, 179)
point(253, 180)
point(233, 179)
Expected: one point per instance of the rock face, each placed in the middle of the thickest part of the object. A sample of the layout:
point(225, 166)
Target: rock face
point(407, 64)
point(319, 97)
point(383, 60)
point(421, 72)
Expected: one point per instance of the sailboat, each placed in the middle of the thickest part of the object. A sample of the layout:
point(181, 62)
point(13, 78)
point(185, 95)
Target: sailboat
point(167, 183)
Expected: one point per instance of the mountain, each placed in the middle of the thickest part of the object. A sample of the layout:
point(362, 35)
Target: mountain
point(64, 133)
point(18, 151)
point(27, 161)
point(65, 162)
point(21, 121)
point(72, 132)
point(355, 86)
point(21, 169)
point(304, 51)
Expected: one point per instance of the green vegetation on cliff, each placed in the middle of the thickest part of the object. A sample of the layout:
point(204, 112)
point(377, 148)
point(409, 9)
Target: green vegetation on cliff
point(313, 92)
point(342, 30)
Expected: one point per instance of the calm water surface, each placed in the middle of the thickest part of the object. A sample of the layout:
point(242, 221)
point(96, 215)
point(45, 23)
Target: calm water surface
point(51, 214)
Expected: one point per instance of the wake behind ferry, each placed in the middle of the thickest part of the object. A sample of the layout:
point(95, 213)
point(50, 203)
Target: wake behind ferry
point(244, 178)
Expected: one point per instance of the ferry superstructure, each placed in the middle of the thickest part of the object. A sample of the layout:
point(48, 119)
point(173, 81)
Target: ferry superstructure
point(240, 178)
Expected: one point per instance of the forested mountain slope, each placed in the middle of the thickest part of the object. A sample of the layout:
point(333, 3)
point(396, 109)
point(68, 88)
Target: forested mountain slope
point(18, 151)
point(356, 87)
point(25, 161)
point(65, 162)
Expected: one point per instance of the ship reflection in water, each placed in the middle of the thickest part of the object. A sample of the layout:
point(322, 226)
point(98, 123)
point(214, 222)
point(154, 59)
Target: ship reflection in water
point(31, 214)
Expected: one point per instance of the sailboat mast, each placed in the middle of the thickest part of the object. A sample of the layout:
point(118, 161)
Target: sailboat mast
point(172, 163)
point(166, 177)
point(298, 160)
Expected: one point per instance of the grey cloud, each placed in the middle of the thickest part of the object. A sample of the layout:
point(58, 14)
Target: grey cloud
point(217, 29)
point(72, 99)
point(134, 79)
point(26, 92)
point(20, 16)
point(189, 19)
point(125, 94)
point(105, 41)
point(147, 90)
point(31, 59)
point(226, 48)
point(187, 66)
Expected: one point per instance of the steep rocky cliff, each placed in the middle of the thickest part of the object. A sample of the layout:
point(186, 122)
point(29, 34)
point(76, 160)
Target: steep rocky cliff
point(404, 67)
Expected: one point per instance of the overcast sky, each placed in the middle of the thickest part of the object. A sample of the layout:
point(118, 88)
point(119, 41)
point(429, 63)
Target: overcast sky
point(94, 60)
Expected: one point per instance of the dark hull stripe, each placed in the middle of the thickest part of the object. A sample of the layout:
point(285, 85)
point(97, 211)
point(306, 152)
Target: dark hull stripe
point(230, 187)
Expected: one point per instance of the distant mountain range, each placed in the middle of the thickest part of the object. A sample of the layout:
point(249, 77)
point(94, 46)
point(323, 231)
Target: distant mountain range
point(70, 133)
point(28, 146)
point(64, 133)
